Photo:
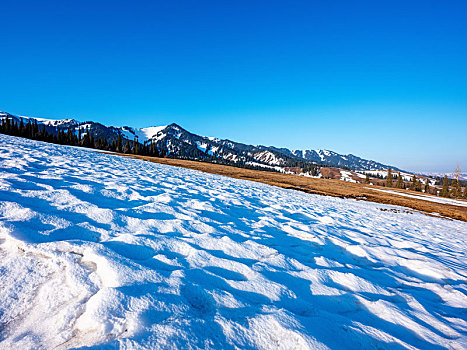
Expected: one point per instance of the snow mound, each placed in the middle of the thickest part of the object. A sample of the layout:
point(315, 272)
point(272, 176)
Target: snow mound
point(102, 251)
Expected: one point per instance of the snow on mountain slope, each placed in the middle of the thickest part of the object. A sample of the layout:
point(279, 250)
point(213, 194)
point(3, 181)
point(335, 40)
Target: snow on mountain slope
point(144, 134)
point(45, 121)
point(268, 157)
point(174, 140)
point(151, 132)
point(99, 250)
point(53, 122)
point(203, 147)
point(334, 159)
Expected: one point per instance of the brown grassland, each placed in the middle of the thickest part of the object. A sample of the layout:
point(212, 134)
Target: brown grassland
point(326, 187)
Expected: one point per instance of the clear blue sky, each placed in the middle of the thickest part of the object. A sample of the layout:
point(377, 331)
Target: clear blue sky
point(382, 80)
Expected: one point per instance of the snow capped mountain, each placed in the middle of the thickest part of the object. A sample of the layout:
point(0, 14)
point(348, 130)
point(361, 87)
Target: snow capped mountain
point(330, 158)
point(48, 122)
point(177, 142)
point(269, 158)
point(153, 133)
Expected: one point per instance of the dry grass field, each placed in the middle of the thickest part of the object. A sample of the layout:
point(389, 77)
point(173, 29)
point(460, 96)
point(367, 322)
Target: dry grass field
point(326, 187)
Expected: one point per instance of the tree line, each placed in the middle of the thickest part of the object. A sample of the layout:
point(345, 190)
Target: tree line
point(83, 137)
point(451, 188)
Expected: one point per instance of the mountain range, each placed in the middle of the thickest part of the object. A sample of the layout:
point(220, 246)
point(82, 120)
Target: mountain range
point(177, 142)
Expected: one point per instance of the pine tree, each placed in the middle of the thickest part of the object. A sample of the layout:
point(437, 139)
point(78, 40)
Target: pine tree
point(100, 143)
point(367, 179)
point(135, 147)
point(399, 182)
point(86, 140)
point(418, 186)
point(389, 178)
point(69, 137)
point(35, 129)
point(7, 125)
point(43, 132)
point(127, 147)
point(445, 189)
point(413, 184)
point(21, 127)
point(456, 190)
point(13, 128)
point(119, 143)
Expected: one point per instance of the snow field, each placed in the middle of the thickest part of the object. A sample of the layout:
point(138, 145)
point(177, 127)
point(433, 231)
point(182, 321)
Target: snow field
point(102, 251)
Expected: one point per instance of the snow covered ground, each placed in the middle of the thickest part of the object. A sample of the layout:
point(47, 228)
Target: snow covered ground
point(102, 251)
point(347, 176)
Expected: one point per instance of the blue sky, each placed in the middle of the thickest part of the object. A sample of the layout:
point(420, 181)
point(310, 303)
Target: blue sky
point(382, 80)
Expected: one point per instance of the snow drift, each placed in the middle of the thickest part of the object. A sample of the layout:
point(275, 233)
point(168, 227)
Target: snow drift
point(102, 251)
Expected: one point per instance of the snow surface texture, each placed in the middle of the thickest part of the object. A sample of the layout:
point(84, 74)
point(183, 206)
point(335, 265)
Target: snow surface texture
point(102, 251)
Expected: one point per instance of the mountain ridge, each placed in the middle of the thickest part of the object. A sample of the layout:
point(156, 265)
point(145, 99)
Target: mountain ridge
point(175, 141)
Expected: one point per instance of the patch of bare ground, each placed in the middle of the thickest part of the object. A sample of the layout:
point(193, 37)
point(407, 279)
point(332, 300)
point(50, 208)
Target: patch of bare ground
point(330, 173)
point(326, 187)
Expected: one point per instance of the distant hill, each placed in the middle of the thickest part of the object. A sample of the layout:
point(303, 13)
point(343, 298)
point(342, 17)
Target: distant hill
point(462, 176)
point(177, 142)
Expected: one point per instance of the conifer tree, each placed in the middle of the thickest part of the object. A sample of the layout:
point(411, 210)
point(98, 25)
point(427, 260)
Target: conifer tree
point(28, 129)
point(86, 140)
point(7, 125)
point(418, 186)
point(399, 182)
point(119, 143)
point(100, 143)
point(135, 147)
point(445, 189)
point(456, 190)
point(367, 179)
point(69, 137)
point(35, 129)
point(21, 127)
point(389, 178)
point(127, 147)
point(413, 184)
